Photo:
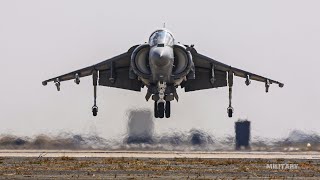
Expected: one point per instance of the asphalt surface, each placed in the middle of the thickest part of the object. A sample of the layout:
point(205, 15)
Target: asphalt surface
point(67, 164)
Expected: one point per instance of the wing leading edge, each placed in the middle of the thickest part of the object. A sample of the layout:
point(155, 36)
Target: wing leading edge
point(113, 72)
point(206, 66)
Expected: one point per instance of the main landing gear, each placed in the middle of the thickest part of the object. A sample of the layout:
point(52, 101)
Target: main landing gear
point(162, 104)
point(162, 109)
point(168, 109)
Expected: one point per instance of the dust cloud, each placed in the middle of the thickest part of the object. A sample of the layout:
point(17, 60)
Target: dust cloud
point(141, 136)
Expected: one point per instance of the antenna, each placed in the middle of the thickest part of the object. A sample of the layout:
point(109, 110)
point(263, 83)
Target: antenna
point(164, 25)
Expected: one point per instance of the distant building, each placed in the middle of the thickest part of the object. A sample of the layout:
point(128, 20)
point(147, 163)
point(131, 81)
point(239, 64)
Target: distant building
point(140, 127)
point(242, 129)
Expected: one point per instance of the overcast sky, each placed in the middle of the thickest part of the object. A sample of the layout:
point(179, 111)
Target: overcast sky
point(42, 39)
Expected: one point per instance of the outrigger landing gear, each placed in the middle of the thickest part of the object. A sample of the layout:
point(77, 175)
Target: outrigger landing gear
point(94, 110)
point(95, 107)
point(230, 84)
point(230, 112)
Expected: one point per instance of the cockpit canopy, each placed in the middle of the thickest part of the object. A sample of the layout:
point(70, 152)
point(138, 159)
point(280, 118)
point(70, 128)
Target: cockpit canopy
point(161, 37)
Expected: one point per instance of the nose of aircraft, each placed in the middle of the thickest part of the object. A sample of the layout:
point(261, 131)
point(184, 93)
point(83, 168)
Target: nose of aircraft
point(160, 56)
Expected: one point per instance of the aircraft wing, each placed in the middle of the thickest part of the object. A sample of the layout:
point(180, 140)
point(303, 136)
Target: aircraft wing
point(204, 69)
point(113, 72)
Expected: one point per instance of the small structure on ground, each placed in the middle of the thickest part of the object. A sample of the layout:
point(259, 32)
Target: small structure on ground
point(140, 127)
point(242, 130)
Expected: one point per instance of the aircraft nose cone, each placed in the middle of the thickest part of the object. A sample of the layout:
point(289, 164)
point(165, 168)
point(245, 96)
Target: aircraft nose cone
point(160, 56)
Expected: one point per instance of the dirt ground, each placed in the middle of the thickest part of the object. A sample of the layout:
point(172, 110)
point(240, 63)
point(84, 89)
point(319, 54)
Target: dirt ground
point(149, 168)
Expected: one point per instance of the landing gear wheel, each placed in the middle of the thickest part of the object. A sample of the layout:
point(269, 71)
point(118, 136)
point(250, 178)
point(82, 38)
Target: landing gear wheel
point(168, 109)
point(155, 111)
point(230, 112)
point(161, 109)
point(94, 110)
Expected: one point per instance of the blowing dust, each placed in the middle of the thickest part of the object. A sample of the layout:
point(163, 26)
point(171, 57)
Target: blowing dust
point(140, 136)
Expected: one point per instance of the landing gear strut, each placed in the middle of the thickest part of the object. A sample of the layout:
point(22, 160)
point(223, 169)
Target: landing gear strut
point(161, 102)
point(95, 107)
point(230, 84)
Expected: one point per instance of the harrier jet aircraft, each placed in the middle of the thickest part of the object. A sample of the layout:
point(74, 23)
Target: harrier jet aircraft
point(162, 65)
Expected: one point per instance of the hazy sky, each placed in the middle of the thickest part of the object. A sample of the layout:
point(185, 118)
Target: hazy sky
point(41, 39)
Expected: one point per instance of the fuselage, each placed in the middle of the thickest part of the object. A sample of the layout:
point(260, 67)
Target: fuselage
point(161, 55)
point(161, 65)
point(161, 60)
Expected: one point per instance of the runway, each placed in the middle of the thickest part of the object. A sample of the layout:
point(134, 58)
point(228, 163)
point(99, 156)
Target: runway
point(93, 164)
point(161, 154)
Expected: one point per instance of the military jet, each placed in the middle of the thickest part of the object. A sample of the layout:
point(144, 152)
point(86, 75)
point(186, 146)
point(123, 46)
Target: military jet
point(162, 65)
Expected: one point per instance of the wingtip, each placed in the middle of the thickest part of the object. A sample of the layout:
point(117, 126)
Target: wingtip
point(44, 83)
point(281, 85)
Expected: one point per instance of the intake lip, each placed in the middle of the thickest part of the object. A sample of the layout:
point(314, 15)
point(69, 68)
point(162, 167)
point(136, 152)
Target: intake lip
point(140, 61)
point(183, 61)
